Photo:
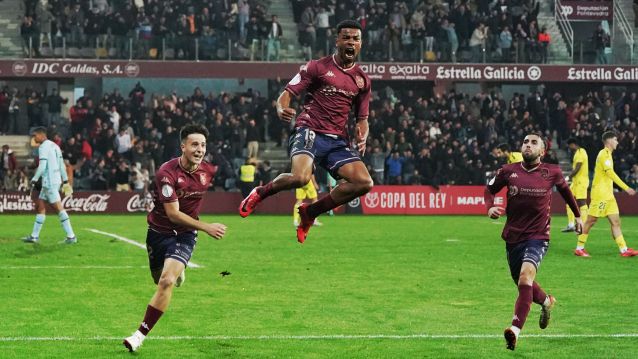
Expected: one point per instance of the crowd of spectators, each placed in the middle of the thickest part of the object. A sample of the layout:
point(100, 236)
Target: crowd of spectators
point(452, 138)
point(444, 31)
point(143, 28)
point(427, 30)
point(116, 142)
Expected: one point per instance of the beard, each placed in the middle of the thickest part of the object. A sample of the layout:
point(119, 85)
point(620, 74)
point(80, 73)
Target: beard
point(530, 157)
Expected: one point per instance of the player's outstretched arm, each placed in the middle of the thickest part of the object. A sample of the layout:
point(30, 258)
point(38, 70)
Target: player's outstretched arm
point(215, 230)
point(284, 111)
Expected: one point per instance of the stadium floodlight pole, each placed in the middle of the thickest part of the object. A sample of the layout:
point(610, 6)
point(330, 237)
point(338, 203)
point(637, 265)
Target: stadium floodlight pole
point(130, 48)
point(30, 47)
point(230, 47)
point(64, 47)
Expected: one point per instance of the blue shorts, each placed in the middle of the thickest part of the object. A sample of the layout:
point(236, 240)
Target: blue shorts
point(327, 151)
point(176, 246)
point(50, 195)
point(531, 250)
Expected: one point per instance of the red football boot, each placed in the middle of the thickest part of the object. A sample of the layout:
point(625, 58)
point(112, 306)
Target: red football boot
point(629, 253)
point(581, 253)
point(248, 205)
point(304, 224)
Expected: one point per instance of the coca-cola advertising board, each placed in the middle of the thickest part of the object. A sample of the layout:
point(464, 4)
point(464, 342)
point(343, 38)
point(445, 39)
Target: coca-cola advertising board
point(133, 202)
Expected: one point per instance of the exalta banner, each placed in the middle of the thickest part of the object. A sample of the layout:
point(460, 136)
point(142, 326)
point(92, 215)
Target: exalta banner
point(270, 70)
point(401, 200)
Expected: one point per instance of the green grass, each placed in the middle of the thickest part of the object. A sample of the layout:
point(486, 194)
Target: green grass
point(354, 276)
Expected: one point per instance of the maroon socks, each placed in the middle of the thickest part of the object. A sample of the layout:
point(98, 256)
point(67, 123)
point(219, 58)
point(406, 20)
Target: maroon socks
point(539, 294)
point(323, 205)
point(150, 318)
point(523, 304)
point(265, 190)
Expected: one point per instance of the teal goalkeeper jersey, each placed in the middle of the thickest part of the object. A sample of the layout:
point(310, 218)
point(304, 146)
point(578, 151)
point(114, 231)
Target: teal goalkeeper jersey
point(51, 167)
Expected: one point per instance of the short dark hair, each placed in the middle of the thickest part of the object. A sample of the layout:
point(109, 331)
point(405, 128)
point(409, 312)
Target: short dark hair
point(609, 134)
point(348, 24)
point(39, 129)
point(572, 141)
point(504, 147)
point(191, 129)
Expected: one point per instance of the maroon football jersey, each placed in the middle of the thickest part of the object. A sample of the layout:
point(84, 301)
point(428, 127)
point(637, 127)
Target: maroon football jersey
point(529, 199)
point(174, 183)
point(331, 92)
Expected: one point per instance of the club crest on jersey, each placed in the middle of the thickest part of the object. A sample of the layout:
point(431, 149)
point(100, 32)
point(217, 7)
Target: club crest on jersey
point(202, 178)
point(360, 82)
point(545, 173)
point(513, 191)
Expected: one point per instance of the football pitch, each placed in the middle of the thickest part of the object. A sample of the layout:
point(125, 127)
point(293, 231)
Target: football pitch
point(360, 287)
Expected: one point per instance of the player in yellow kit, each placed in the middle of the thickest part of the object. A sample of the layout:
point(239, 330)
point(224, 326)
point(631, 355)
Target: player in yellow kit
point(309, 191)
point(603, 203)
point(503, 151)
point(579, 177)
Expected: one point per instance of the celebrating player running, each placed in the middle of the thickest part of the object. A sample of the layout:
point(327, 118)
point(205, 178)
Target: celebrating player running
point(526, 231)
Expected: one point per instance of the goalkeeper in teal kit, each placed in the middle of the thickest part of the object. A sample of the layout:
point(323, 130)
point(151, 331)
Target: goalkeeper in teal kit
point(52, 171)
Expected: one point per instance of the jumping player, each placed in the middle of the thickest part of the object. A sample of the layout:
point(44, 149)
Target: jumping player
point(52, 171)
point(526, 231)
point(173, 223)
point(603, 203)
point(334, 85)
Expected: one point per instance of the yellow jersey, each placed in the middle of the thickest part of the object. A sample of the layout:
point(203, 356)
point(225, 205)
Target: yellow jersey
point(582, 177)
point(602, 188)
point(514, 157)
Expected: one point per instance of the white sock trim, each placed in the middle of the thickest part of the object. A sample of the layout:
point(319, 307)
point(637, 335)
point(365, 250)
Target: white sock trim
point(580, 247)
point(547, 301)
point(516, 330)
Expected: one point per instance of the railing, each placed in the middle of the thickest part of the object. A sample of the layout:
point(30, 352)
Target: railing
point(565, 27)
point(626, 28)
point(126, 47)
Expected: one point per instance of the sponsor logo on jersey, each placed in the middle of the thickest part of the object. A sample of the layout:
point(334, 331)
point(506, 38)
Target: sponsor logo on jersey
point(167, 191)
point(360, 82)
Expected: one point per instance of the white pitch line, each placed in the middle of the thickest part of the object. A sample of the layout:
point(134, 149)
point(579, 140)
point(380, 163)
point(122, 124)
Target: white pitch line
point(328, 337)
point(130, 241)
point(72, 267)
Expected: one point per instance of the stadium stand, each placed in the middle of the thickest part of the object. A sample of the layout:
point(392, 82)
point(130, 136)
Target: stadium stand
point(415, 138)
point(442, 31)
